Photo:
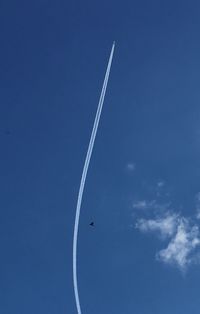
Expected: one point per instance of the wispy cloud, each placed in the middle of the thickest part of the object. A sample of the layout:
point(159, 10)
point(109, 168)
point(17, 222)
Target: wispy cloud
point(143, 204)
point(165, 226)
point(160, 188)
point(184, 238)
point(130, 166)
point(197, 201)
point(182, 247)
point(180, 235)
point(147, 205)
point(160, 184)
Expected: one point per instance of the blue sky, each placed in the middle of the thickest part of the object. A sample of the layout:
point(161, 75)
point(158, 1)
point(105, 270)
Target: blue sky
point(143, 184)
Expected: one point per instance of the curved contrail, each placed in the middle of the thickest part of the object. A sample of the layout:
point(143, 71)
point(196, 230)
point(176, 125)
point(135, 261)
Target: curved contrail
point(83, 178)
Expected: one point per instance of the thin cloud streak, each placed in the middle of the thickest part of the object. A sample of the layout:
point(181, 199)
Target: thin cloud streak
point(83, 179)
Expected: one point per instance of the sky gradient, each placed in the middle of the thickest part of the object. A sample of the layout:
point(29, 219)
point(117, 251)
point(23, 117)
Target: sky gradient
point(143, 183)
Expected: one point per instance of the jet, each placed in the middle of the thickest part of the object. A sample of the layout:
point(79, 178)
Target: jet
point(92, 224)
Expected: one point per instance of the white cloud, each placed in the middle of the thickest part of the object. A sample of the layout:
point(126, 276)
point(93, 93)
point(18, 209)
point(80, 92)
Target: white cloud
point(181, 234)
point(130, 166)
point(146, 205)
point(160, 187)
point(160, 184)
point(198, 213)
point(198, 196)
point(143, 204)
point(184, 239)
point(166, 226)
point(181, 249)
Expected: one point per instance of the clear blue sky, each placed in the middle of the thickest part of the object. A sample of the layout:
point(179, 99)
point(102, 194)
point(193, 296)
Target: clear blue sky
point(142, 189)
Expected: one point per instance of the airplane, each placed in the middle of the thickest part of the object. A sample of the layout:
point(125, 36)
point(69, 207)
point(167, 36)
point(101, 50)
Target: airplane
point(92, 224)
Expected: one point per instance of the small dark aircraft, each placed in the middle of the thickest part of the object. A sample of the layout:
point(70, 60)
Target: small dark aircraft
point(92, 224)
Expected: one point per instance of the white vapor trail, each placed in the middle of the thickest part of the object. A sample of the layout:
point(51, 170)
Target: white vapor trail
point(83, 178)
